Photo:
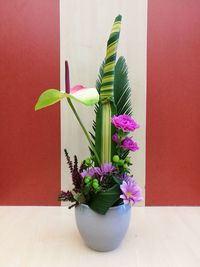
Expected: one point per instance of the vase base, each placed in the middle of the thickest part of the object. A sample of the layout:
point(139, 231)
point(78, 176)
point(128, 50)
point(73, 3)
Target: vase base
point(101, 249)
point(103, 233)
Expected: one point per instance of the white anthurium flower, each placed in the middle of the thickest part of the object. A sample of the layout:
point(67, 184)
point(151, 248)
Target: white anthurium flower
point(87, 96)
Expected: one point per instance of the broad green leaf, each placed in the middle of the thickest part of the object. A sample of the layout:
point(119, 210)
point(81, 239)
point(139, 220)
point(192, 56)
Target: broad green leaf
point(102, 201)
point(48, 98)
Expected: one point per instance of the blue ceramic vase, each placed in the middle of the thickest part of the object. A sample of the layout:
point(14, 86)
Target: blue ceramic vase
point(103, 232)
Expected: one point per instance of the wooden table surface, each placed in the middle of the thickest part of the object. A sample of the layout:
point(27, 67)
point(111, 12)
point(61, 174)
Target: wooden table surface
point(47, 237)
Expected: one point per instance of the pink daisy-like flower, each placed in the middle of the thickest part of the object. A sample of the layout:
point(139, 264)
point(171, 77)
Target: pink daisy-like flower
point(124, 122)
point(131, 192)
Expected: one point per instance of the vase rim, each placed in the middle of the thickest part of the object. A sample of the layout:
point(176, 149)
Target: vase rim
point(111, 208)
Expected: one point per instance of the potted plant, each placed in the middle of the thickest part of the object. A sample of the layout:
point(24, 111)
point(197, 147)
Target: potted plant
point(103, 189)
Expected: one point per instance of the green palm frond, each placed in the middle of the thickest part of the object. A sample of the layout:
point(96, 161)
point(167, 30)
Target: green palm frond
point(122, 89)
point(100, 77)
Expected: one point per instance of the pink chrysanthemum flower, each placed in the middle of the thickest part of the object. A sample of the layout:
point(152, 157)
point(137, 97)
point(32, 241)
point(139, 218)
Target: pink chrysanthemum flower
point(129, 144)
point(124, 122)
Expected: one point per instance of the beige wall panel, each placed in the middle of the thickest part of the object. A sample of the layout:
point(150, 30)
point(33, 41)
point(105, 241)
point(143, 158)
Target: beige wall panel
point(85, 27)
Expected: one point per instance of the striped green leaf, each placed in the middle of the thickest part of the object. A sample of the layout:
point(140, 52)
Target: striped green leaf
point(106, 109)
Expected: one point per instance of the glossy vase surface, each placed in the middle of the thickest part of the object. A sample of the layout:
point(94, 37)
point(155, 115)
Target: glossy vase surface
point(103, 232)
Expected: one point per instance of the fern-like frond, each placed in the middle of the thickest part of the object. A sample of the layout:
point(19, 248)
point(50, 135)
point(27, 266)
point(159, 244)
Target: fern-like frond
point(100, 77)
point(122, 89)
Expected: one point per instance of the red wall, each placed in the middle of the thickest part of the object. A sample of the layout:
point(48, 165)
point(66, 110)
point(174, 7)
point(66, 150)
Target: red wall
point(30, 141)
point(173, 103)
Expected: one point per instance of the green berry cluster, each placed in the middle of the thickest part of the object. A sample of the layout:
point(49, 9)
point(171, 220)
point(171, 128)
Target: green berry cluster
point(122, 163)
point(92, 183)
point(88, 162)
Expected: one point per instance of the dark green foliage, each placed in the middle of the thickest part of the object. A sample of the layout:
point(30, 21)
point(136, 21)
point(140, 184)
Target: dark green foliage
point(117, 180)
point(118, 202)
point(124, 154)
point(122, 90)
point(102, 201)
point(108, 182)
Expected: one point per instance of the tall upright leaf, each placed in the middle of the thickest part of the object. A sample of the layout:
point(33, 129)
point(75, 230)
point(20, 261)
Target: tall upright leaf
point(122, 90)
point(104, 130)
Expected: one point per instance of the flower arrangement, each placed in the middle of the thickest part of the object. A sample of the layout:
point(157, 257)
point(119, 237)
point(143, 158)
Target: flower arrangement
point(103, 180)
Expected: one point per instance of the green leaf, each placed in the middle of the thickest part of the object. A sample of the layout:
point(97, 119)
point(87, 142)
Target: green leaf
point(106, 109)
point(122, 89)
point(117, 180)
point(119, 202)
point(102, 201)
point(122, 99)
point(87, 188)
point(48, 98)
point(79, 197)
